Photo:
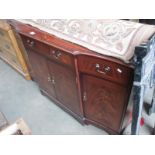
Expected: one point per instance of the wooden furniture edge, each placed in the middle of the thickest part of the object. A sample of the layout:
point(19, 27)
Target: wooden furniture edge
point(79, 49)
point(19, 55)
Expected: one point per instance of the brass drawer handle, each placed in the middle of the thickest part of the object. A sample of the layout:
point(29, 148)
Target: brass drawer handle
point(30, 43)
point(56, 54)
point(104, 71)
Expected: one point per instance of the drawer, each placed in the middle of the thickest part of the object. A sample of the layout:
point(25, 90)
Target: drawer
point(105, 69)
point(4, 35)
point(61, 56)
point(35, 45)
point(11, 59)
point(7, 46)
point(48, 51)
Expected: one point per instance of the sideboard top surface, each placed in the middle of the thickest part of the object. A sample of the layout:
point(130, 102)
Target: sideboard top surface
point(62, 44)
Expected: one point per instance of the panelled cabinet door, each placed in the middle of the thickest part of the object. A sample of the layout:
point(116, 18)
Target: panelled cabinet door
point(40, 72)
point(65, 86)
point(103, 101)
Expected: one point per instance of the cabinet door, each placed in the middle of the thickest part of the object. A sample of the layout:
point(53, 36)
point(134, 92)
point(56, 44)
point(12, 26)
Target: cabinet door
point(103, 101)
point(65, 86)
point(40, 72)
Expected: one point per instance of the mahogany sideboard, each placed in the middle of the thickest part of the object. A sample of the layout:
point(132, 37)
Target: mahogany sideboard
point(93, 88)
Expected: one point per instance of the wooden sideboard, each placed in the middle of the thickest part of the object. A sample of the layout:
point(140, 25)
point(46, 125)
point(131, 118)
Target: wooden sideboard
point(91, 87)
point(11, 49)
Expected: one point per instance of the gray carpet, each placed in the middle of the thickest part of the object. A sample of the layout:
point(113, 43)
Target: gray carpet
point(21, 98)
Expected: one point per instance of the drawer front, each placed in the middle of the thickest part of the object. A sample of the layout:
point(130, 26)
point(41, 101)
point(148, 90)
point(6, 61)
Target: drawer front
point(105, 69)
point(35, 45)
point(48, 51)
point(61, 56)
point(7, 46)
point(4, 35)
point(9, 57)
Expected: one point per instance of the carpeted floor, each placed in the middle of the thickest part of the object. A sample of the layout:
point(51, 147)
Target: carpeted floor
point(21, 98)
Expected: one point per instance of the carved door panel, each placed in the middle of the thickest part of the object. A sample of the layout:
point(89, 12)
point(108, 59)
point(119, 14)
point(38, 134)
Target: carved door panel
point(40, 72)
point(103, 101)
point(65, 86)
